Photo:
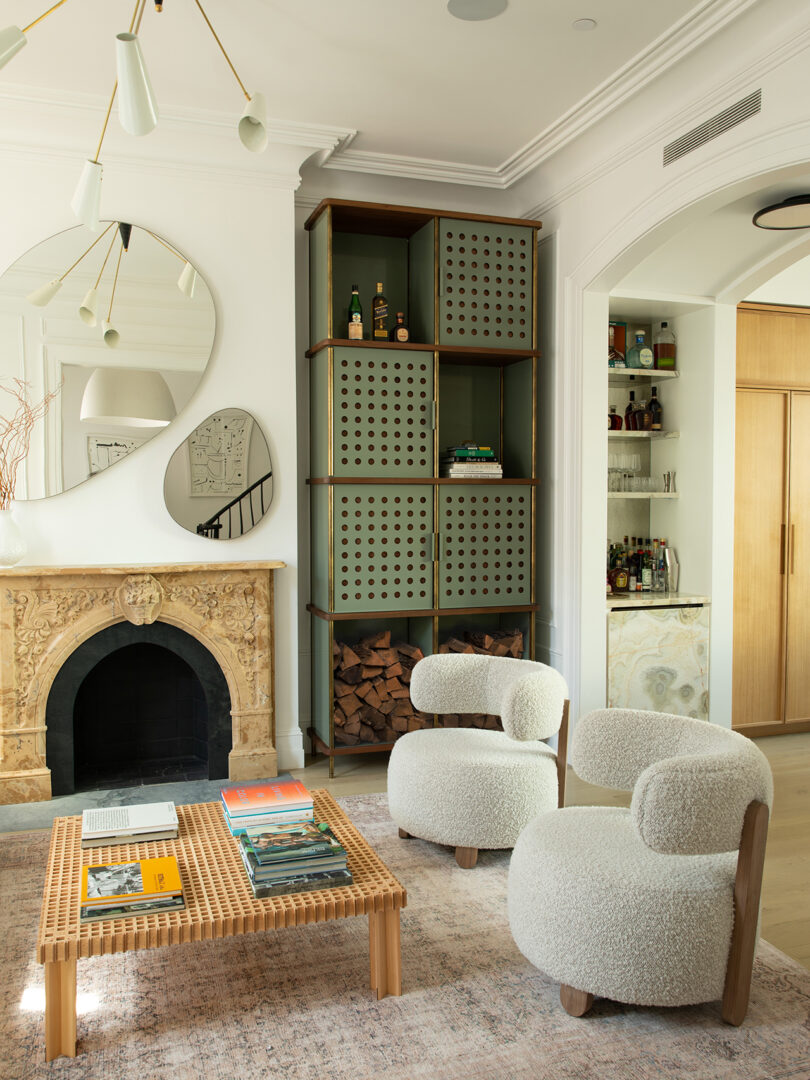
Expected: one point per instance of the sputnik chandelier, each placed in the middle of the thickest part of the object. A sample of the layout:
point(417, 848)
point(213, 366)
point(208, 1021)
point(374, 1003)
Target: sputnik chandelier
point(88, 309)
point(137, 107)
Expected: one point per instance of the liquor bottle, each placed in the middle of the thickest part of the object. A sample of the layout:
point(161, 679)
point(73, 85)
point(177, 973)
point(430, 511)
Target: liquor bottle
point(614, 420)
point(379, 315)
point(615, 358)
point(399, 332)
point(639, 355)
point(642, 417)
point(355, 332)
point(646, 568)
point(657, 411)
point(664, 348)
point(629, 412)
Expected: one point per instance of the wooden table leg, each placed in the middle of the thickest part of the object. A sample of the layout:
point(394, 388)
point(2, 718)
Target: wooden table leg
point(60, 1009)
point(385, 952)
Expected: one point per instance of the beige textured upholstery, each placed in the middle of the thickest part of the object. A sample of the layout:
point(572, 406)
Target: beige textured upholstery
point(470, 788)
point(638, 905)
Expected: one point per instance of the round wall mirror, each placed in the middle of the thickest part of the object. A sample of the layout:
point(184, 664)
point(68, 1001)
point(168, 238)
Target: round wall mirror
point(219, 481)
point(118, 325)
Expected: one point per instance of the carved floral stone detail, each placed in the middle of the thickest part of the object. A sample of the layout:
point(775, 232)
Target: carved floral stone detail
point(140, 597)
point(231, 605)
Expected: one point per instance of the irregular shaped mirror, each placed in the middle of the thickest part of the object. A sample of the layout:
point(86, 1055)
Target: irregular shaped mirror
point(219, 482)
point(119, 324)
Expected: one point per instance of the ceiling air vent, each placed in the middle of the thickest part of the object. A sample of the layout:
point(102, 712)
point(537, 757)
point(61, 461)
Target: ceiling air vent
point(728, 118)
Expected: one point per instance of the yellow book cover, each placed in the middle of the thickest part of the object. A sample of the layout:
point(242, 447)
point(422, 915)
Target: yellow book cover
point(142, 879)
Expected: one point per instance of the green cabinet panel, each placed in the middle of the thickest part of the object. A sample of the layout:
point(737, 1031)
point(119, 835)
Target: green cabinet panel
point(485, 284)
point(319, 280)
point(383, 559)
point(485, 545)
point(383, 413)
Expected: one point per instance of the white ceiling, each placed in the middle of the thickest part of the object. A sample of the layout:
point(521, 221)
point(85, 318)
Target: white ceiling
point(407, 76)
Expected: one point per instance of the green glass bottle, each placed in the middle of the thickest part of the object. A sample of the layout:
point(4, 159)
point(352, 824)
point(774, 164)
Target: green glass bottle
point(355, 316)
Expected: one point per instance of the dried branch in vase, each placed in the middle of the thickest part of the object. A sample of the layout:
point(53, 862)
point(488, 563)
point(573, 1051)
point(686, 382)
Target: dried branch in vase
point(15, 435)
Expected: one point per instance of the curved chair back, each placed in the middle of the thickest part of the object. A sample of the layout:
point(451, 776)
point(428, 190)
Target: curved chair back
point(692, 781)
point(528, 696)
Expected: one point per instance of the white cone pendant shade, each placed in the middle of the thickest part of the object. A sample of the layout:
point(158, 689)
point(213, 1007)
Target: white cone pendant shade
point(253, 124)
point(127, 396)
point(187, 281)
point(86, 203)
point(111, 335)
point(137, 105)
point(45, 293)
point(88, 312)
point(12, 40)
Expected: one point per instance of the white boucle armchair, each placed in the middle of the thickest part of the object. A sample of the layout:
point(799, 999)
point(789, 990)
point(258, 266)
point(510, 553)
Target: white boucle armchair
point(658, 904)
point(471, 788)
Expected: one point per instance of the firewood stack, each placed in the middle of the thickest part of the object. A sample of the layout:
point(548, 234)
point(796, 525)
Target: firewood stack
point(497, 643)
point(372, 701)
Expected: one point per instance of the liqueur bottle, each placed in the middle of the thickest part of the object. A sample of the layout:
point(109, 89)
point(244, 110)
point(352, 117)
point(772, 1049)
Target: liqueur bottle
point(399, 331)
point(615, 358)
point(379, 315)
point(664, 348)
point(629, 412)
point(639, 355)
point(657, 411)
point(355, 316)
point(614, 420)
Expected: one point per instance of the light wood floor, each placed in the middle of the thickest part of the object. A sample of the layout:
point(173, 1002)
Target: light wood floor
point(786, 889)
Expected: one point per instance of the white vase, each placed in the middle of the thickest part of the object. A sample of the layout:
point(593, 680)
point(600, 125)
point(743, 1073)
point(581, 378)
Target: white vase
point(12, 543)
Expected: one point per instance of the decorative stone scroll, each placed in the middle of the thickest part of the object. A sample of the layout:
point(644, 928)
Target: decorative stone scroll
point(46, 612)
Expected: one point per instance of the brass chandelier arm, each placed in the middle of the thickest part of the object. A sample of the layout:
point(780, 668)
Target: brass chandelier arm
point(44, 15)
point(168, 247)
point(134, 25)
point(115, 282)
point(106, 257)
point(222, 48)
point(99, 237)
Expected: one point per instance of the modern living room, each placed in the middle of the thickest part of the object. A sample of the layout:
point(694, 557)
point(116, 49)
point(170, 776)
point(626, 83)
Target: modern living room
point(148, 595)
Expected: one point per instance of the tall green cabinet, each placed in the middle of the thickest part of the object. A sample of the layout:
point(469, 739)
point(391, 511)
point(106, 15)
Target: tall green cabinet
point(394, 546)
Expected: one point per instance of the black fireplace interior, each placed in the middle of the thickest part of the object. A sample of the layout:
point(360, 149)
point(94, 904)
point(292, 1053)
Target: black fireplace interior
point(137, 705)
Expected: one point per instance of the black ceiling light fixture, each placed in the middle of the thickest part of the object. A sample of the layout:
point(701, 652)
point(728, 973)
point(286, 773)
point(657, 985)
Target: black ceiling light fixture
point(792, 213)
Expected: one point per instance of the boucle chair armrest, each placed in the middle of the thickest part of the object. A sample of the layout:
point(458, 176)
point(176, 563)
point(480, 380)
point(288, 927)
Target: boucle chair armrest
point(528, 696)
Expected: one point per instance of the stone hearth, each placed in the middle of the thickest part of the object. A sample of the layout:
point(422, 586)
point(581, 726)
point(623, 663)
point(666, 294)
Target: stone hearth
point(47, 612)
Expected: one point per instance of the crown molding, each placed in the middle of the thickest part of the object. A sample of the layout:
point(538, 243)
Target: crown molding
point(414, 168)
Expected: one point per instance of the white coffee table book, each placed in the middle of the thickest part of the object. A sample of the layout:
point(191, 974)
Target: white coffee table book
point(104, 825)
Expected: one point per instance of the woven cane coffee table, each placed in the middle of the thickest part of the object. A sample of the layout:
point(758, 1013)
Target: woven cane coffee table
point(219, 903)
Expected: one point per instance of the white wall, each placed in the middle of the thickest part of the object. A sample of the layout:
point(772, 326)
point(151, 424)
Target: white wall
point(238, 227)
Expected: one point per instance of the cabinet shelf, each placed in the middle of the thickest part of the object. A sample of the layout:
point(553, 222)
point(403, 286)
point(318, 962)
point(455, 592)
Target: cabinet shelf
point(644, 434)
point(448, 353)
point(419, 480)
point(643, 494)
point(625, 376)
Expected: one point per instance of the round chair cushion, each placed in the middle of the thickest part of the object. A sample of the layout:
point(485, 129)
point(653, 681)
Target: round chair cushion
point(593, 907)
point(468, 787)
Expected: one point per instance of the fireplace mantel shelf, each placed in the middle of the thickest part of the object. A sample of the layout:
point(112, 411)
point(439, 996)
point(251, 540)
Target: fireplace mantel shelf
point(140, 568)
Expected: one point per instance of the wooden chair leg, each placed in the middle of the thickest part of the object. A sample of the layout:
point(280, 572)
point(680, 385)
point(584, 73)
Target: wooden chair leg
point(747, 892)
point(466, 857)
point(575, 1002)
point(405, 835)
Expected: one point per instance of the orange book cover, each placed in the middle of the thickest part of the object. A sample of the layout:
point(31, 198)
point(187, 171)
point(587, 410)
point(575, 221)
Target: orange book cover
point(141, 879)
point(266, 796)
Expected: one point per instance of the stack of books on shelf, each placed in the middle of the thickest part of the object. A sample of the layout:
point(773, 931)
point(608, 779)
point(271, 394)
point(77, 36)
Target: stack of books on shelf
point(280, 801)
point(139, 887)
point(128, 824)
point(471, 462)
point(293, 858)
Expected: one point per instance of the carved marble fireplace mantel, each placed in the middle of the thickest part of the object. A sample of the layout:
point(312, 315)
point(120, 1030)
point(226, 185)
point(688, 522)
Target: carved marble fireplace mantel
point(47, 612)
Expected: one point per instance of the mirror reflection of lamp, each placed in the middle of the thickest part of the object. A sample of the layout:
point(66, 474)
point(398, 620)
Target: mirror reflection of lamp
point(45, 293)
point(128, 397)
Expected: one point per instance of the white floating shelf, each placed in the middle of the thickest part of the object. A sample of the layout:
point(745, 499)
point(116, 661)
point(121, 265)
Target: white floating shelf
point(623, 376)
point(644, 434)
point(643, 494)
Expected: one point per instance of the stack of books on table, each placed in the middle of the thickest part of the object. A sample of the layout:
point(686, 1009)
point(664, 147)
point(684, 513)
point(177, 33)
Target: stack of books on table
point(293, 858)
point(128, 824)
point(139, 887)
point(471, 462)
point(280, 801)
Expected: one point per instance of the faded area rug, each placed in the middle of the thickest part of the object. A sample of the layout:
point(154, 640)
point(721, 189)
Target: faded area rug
point(296, 1004)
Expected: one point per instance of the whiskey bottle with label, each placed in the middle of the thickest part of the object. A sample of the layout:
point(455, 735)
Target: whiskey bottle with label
point(657, 411)
point(379, 315)
point(355, 332)
point(399, 331)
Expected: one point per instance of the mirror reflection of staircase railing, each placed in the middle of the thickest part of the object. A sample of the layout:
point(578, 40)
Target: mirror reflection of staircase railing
point(233, 517)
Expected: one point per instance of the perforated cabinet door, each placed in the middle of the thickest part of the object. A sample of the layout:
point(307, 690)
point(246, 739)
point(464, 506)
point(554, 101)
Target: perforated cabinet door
point(383, 547)
point(383, 412)
point(485, 284)
point(485, 546)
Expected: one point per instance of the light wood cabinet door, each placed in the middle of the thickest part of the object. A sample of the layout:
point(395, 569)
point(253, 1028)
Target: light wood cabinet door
point(772, 347)
point(797, 700)
point(760, 505)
